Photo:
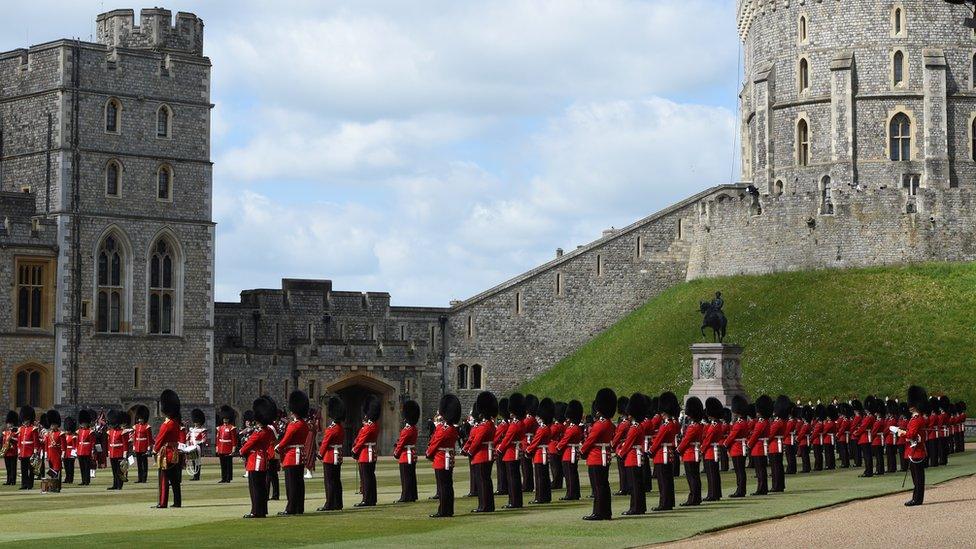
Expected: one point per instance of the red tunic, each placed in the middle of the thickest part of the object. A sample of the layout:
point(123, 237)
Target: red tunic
point(364, 448)
point(226, 439)
point(291, 447)
point(568, 445)
point(28, 441)
point(738, 438)
point(555, 435)
point(333, 439)
point(877, 432)
point(166, 442)
point(662, 447)
point(70, 445)
point(86, 442)
point(510, 446)
point(500, 429)
point(10, 439)
point(712, 440)
point(529, 426)
point(141, 438)
point(690, 446)
point(829, 434)
point(631, 448)
point(480, 444)
point(405, 449)
point(538, 449)
point(54, 446)
point(619, 434)
point(915, 438)
point(778, 437)
point(759, 439)
point(596, 448)
point(256, 449)
point(816, 432)
point(118, 444)
point(440, 449)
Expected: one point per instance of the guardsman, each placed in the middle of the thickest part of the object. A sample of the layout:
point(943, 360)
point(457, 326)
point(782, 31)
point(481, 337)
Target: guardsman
point(330, 452)
point(630, 451)
point(864, 434)
point(690, 450)
point(291, 448)
point(10, 447)
point(805, 437)
point(538, 451)
point(501, 427)
point(854, 428)
point(481, 447)
point(891, 436)
point(816, 435)
point(961, 435)
point(711, 444)
point(364, 448)
point(142, 439)
point(70, 449)
point(790, 440)
point(28, 444)
point(662, 449)
point(529, 424)
point(555, 435)
point(226, 442)
point(619, 434)
point(511, 450)
point(945, 408)
point(915, 436)
point(405, 452)
point(759, 443)
point(650, 425)
point(166, 448)
point(843, 426)
point(86, 445)
point(274, 463)
point(779, 436)
point(118, 447)
point(725, 461)
point(877, 434)
point(54, 450)
point(197, 434)
point(830, 438)
point(255, 451)
point(440, 450)
point(904, 414)
point(736, 442)
point(598, 451)
point(568, 449)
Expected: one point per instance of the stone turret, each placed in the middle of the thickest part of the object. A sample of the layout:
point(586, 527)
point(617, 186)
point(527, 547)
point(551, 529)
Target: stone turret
point(155, 30)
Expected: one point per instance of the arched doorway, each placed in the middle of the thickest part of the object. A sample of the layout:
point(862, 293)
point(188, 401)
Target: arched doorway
point(353, 390)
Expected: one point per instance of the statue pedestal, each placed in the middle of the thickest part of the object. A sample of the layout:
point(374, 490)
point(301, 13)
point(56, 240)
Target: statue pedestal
point(716, 371)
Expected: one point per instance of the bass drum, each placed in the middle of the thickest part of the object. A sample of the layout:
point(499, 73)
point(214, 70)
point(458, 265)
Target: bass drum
point(193, 460)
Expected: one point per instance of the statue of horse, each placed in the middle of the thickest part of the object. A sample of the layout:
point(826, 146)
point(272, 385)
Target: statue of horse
point(714, 319)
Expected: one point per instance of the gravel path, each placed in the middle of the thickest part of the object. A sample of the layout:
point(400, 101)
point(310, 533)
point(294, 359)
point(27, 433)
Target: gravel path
point(946, 520)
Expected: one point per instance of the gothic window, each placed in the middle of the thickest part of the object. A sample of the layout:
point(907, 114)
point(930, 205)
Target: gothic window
point(164, 117)
point(898, 22)
point(470, 327)
point(113, 179)
point(164, 183)
point(804, 81)
point(29, 387)
point(163, 279)
point(113, 115)
point(599, 265)
point(518, 303)
point(462, 376)
point(109, 317)
point(639, 252)
point(31, 294)
point(476, 380)
point(898, 68)
point(900, 136)
point(826, 202)
point(802, 31)
point(778, 188)
point(802, 143)
point(559, 283)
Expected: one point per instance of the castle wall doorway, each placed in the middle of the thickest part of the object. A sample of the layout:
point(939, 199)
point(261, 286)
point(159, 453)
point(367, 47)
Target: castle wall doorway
point(354, 390)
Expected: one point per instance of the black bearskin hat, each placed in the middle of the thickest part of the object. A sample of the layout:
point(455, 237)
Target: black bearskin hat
point(694, 408)
point(371, 408)
point(808, 413)
point(516, 405)
point(832, 411)
point(752, 411)
point(904, 411)
point(53, 418)
point(70, 424)
point(12, 417)
point(248, 415)
point(782, 406)
point(653, 406)
point(636, 407)
point(560, 412)
point(142, 413)
point(944, 403)
point(85, 417)
point(892, 407)
point(917, 398)
point(169, 404)
point(740, 406)
point(227, 413)
point(450, 409)
point(531, 405)
point(713, 408)
point(411, 412)
point(764, 406)
point(857, 406)
point(503, 407)
point(606, 402)
point(574, 411)
point(486, 405)
point(669, 404)
point(336, 409)
point(845, 409)
point(622, 403)
point(114, 417)
point(727, 415)
point(821, 412)
point(298, 404)
point(45, 423)
point(265, 411)
point(197, 416)
point(547, 410)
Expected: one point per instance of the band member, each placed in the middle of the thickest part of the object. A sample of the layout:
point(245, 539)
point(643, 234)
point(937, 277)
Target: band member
point(70, 449)
point(255, 450)
point(226, 442)
point(662, 449)
point(555, 435)
point(631, 451)
point(736, 443)
point(529, 424)
point(291, 448)
point(538, 451)
point(915, 449)
point(440, 450)
point(690, 452)
point(501, 427)
point(10, 447)
point(481, 447)
point(197, 435)
point(166, 448)
point(711, 443)
point(511, 450)
point(141, 442)
point(568, 449)
point(778, 437)
point(86, 446)
point(118, 447)
point(405, 452)
point(330, 452)
point(364, 448)
point(619, 434)
point(598, 451)
point(54, 450)
point(28, 445)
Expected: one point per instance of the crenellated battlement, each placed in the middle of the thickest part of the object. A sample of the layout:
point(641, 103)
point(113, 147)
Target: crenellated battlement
point(155, 30)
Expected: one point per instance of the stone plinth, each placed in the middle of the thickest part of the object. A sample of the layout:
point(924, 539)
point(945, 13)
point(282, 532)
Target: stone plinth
point(716, 371)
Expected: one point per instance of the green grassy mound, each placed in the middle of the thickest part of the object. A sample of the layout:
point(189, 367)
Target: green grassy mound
point(809, 334)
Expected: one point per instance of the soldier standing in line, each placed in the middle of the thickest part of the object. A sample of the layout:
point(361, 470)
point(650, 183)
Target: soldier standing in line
point(736, 442)
point(690, 451)
point(118, 447)
point(619, 434)
point(405, 452)
point(28, 443)
point(538, 451)
point(166, 448)
point(662, 449)
point(364, 448)
point(141, 440)
point(630, 452)
point(529, 424)
point(70, 449)
point(555, 435)
point(568, 449)
point(54, 450)
point(226, 442)
point(759, 443)
point(254, 450)
point(440, 450)
point(778, 437)
point(291, 448)
point(711, 443)
point(330, 452)
point(501, 427)
point(915, 448)
point(480, 446)
point(511, 450)
point(598, 451)
point(10, 444)
point(86, 445)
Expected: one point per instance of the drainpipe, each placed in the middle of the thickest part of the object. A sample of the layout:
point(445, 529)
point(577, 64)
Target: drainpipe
point(443, 323)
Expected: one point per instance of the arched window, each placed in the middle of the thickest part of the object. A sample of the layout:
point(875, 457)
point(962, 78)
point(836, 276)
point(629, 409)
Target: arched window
point(802, 31)
point(898, 68)
point(804, 76)
point(111, 287)
point(163, 117)
point(778, 188)
point(462, 376)
point(900, 136)
point(802, 143)
point(164, 183)
point(162, 288)
point(30, 387)
point(826, 204)
point(113, 179)
point(113, 115)
point(898, 22)
point(476, 380)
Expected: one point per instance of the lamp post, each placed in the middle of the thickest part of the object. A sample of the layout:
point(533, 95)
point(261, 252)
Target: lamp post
point(969, 21)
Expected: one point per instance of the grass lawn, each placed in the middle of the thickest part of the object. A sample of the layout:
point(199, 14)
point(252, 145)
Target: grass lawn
point(91, 516)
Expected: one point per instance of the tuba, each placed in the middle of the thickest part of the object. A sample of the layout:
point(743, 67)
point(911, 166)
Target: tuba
point(35, 464)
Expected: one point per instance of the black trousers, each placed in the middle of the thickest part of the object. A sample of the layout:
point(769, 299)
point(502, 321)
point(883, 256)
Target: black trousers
point(543, 486)
point(116, 473)
point(226, 468)
point(739, 464)
point(867, 460)
point(638, 496)
point(777, 472)
point(486, 491)
point(791, 460)
point(142, 467)
point(762, 478)
point(903, 463)
point(408, 482)
point(724, 459)
point(845, 456)
point(472, 479)
point(648, 476)
point(714, 478)
point(693, 475)
point(664, 472)
point(571, 474)
point(600, 481)
point(257, 485)
point(274, 482)
point(85, 465)
point(11, 464)
point(502, 474)
point(171, 478)
point(805, 459)
point(830, 459)
point(891, 458)
point(879, 459)
point(933, 455)
point(624, 477)
point(333, 486)
point(818, 457)
point(528, 484)
point(69, 470)
point(26, 474)
point(853, 448)
point(944, 451)
point(367, 475)
point(295, 489)
point(556, 472)
point(513, 470)
point(445, 487)
point(918, 479)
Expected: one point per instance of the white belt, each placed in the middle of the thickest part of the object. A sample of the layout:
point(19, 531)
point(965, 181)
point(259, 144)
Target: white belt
point(870, 438)
point(665, 448)
point(647, 442)
point(745, 446)
point(448, 454)
point(145, 438)
point(518, 449)
point(792, 439)
point(218, 440)
point(369, 451)
point(640, 454)
point(779, 443)
point(603, 453)
point(821, 439)
point(116, 444)
point(574, 453)
point(491, 449)
point(715, 452)
point(336, 453)
point(833, 439)
point(697, 446)
point(298, 452)
point(765, 442)
point(409, 448)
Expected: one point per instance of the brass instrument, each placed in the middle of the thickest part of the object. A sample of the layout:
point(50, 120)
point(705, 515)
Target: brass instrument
point(124, 470)
point(35, 464)
point(5, 447)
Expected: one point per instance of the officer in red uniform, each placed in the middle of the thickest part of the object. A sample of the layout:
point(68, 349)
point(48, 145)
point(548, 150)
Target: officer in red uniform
point(737, 443)
point(529, 424)
point(70, 449)
point(364, 448)
point(405, 452)
point(630, 452)
point(619, 434)
point(10, 443)
point(568, 449)
point(598, 451)
point(226, 437)
point(166, 448)
point(481, 447)
point(255, 451)
point(291, 448)
point(778, 437)
point(118, 447)
point(28, 444)
point(141, 442)
point(555, 435)
point(501, 427)
point(331, 452)
point(440, 450)
point(915, 448)
point(711, 444)
point(86, 446)
point(54, 450)
point(690, 449)
point(510, 449)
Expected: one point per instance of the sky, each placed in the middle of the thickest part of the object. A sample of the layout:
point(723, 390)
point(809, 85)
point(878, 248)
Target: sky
point(433, 149)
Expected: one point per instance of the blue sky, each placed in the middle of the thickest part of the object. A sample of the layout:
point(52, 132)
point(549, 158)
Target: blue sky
point(435, 148)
